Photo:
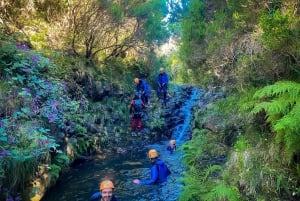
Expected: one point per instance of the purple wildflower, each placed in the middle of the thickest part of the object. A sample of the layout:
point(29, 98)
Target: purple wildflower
point(35, 59)
point(27, 90)
point(54, 104)
point(22, 47)
point(9, 199)
point(33, 107)
point(42, 142)
point(52, 118)
point(26, 70)
point(4, 189)
point(49, 84)
point(4, 153)
point(36, 97)
point(39, 142)
point(1, 123)
point(18, 198)
point(64, 84)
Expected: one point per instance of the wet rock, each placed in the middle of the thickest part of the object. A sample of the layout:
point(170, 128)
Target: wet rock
point(120, 150)
point(212, 124)
point(70, 128)
point(60, 136)
point(92, 128)
point(79, 161)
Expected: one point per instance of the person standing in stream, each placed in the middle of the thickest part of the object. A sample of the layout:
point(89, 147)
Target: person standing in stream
point(159, 170)
point(106, 192)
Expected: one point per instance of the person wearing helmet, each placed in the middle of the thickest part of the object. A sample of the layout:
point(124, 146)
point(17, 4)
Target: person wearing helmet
point(159, 170)
point(135, 110)
point(142, 87)
point(162, 81)
point(172, 146)
point(106, 192)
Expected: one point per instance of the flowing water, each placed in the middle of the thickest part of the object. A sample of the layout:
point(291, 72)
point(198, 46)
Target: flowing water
point(81, 182)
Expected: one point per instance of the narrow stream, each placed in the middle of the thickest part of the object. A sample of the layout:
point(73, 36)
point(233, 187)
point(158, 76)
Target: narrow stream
point(81, 182)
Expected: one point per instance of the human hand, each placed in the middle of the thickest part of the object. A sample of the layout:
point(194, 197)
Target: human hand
point(136, 181)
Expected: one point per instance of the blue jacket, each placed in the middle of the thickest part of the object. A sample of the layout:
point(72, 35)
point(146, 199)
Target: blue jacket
point(159, 173)
point(162, 78)
point(143, 87)
point(97, 197)
point(170, 149)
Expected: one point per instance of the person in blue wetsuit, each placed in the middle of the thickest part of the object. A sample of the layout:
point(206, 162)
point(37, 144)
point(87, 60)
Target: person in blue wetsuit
point(159, 170)
point(162, 81)
point(106, 192)
point(172, 146)
point(142, 87)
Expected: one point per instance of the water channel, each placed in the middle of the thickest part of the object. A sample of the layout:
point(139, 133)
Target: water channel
point(81, 182)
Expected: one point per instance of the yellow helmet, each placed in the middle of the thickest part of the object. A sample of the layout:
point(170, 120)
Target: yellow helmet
point(106, 184)
point(173, 142)
point(152, 153)
point(136, 80)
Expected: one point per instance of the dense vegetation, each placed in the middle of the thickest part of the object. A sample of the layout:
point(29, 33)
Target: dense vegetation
point(250, 51)
point(62, 61)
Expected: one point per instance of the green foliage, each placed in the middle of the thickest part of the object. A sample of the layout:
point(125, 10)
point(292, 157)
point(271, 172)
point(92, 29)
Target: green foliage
point(61, 160)
point(152, 12)
point(20, 167)
point(223, 192)
point(82, 145)
point(116, 11)
point(241, 144)
point(193, 28)
point(193, 188)
point(54, 174)
point(192, 149)
point(35, 101)
point(281, 103)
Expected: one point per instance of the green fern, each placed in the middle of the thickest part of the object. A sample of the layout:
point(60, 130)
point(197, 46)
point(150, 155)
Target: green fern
point(281, 102)
point(279, 88)
point(192, 149)
point(61, 160)
point(193, 187)
point(54, 174)
point(222, 192)
point(211, 170)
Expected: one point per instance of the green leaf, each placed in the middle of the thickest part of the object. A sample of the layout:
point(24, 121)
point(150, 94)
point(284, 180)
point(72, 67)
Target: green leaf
point(3, 138)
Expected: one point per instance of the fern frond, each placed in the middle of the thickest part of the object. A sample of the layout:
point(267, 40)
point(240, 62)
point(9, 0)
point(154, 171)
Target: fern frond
point(210, 170)
point(223, 192)
point(282, 110)
point(277, 89)
point(193, 186)
point(291, 121)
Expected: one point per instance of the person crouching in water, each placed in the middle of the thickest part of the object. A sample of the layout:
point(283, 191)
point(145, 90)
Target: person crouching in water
point(135, 110)
point(106, 192)
point(159, 170)
point(172, 146)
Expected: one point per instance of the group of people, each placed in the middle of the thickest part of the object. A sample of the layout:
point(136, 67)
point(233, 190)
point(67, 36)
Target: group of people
point(141, 98)
point(159, 170)
point(159, 174)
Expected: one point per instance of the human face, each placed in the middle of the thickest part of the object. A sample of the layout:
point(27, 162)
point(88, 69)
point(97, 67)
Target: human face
point(106, 194)
point(152, 160)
